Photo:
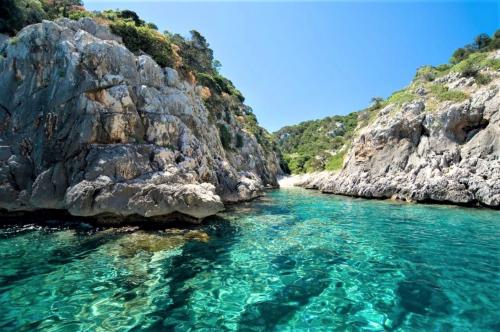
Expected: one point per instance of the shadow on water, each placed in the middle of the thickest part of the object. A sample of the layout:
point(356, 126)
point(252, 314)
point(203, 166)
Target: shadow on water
point(305, 278)
point(196, 258)
point(86, 245)
point(422, 296)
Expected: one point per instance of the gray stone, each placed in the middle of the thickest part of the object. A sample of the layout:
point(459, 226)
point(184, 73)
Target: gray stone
point(448, 155)
point(89, 127)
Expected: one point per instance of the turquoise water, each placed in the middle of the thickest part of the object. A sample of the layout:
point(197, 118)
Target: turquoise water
point(292, 261)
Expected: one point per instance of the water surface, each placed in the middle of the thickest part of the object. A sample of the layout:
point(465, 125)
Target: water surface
point(295, 260)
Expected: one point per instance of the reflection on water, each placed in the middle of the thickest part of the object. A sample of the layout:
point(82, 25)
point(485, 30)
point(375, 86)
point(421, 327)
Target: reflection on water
point(296, 260)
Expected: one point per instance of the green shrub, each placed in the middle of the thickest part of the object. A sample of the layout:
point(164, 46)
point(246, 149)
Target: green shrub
point(16, 14)
point(130, 15)
point(460, 55)
point(482, 43)
point(475, 62)
point(219, 84)
point(60, 8)
point(443, 68)
point(78, 14)
point(468, 69)
point(296, 162)
point(225, 136)
point(145, 39)
point(152, 26)
point(239, 140)
point(307, 146)
point(197, 56)
point(483, 79)
point(402, 96)
point(336, 161)
point(430, 73)
point(442, 93)
point(427, 73)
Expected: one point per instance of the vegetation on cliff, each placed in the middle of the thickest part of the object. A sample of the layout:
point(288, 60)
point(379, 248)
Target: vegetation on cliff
point(322, 144)
point(316, 145)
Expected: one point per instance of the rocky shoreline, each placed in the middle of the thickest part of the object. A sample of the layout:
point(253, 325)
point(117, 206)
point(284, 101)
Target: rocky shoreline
point(90, 128)
point(449, 156)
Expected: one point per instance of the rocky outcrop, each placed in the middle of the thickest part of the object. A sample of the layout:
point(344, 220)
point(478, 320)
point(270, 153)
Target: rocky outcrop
point(427, 152)
point(88, 127)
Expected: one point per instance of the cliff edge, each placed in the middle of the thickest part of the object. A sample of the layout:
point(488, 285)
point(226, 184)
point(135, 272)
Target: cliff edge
point(438, 140)
point(89, 127)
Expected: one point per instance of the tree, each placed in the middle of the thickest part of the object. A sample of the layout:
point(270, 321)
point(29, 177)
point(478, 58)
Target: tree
point(482, 41)
point(152, 26)
point(459, 55)
point(198, 40)
point(131, 15)
point(196, 53)
point(217, 65)
point(60, 8)
point(377, 101)
point(16, 14)
point(225, 136)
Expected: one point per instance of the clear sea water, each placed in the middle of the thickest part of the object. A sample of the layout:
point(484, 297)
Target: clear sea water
point(293, 261)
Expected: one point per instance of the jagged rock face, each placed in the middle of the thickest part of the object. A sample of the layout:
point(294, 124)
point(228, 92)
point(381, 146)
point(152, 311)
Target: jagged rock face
point(87, 126)
point(451, 154)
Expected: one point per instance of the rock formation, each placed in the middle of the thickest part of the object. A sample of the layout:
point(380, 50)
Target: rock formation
point(88, 127)
point(427, 149)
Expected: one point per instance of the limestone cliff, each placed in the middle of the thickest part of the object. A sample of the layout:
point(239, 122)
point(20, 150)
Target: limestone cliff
point(437, 140)
point(89, 127)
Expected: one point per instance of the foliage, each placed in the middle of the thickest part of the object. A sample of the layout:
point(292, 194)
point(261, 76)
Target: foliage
point(483, 79)
point(196, 53)
point(61, 8)
point(130, 15)
point(377, 102)
point(402, 96)
point(225, 136)
point(336, 161)
point(308, 146)
point(482, 43)
point(474, 63)
point(431, 73)
point(219, 84)
point(443, 93)
point(427, 73)
point(144, 39)
point(239, 140)
point(16, 14)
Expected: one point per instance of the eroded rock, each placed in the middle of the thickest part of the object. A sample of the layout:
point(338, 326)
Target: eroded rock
point(89, 127)
point(450, 154)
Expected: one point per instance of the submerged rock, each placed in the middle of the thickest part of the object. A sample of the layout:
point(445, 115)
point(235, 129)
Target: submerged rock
point(88, 127)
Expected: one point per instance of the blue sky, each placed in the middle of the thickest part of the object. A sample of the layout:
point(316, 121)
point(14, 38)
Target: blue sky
point(297, 61)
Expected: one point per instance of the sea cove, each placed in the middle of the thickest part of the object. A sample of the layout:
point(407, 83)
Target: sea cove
point(292, 260)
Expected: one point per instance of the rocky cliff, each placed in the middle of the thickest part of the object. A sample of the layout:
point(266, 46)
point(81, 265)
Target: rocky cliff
point(88, 127)
point(437, 140)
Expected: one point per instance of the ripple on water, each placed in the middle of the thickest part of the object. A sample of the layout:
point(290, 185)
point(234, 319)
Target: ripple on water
point(296, 260)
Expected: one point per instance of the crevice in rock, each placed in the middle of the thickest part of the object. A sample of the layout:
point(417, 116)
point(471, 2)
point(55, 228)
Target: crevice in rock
point(61, 218)
point(471, 131)
point(6, 110)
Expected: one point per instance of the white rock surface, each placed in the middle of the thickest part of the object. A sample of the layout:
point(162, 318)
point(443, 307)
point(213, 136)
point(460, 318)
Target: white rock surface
point(451, 154)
